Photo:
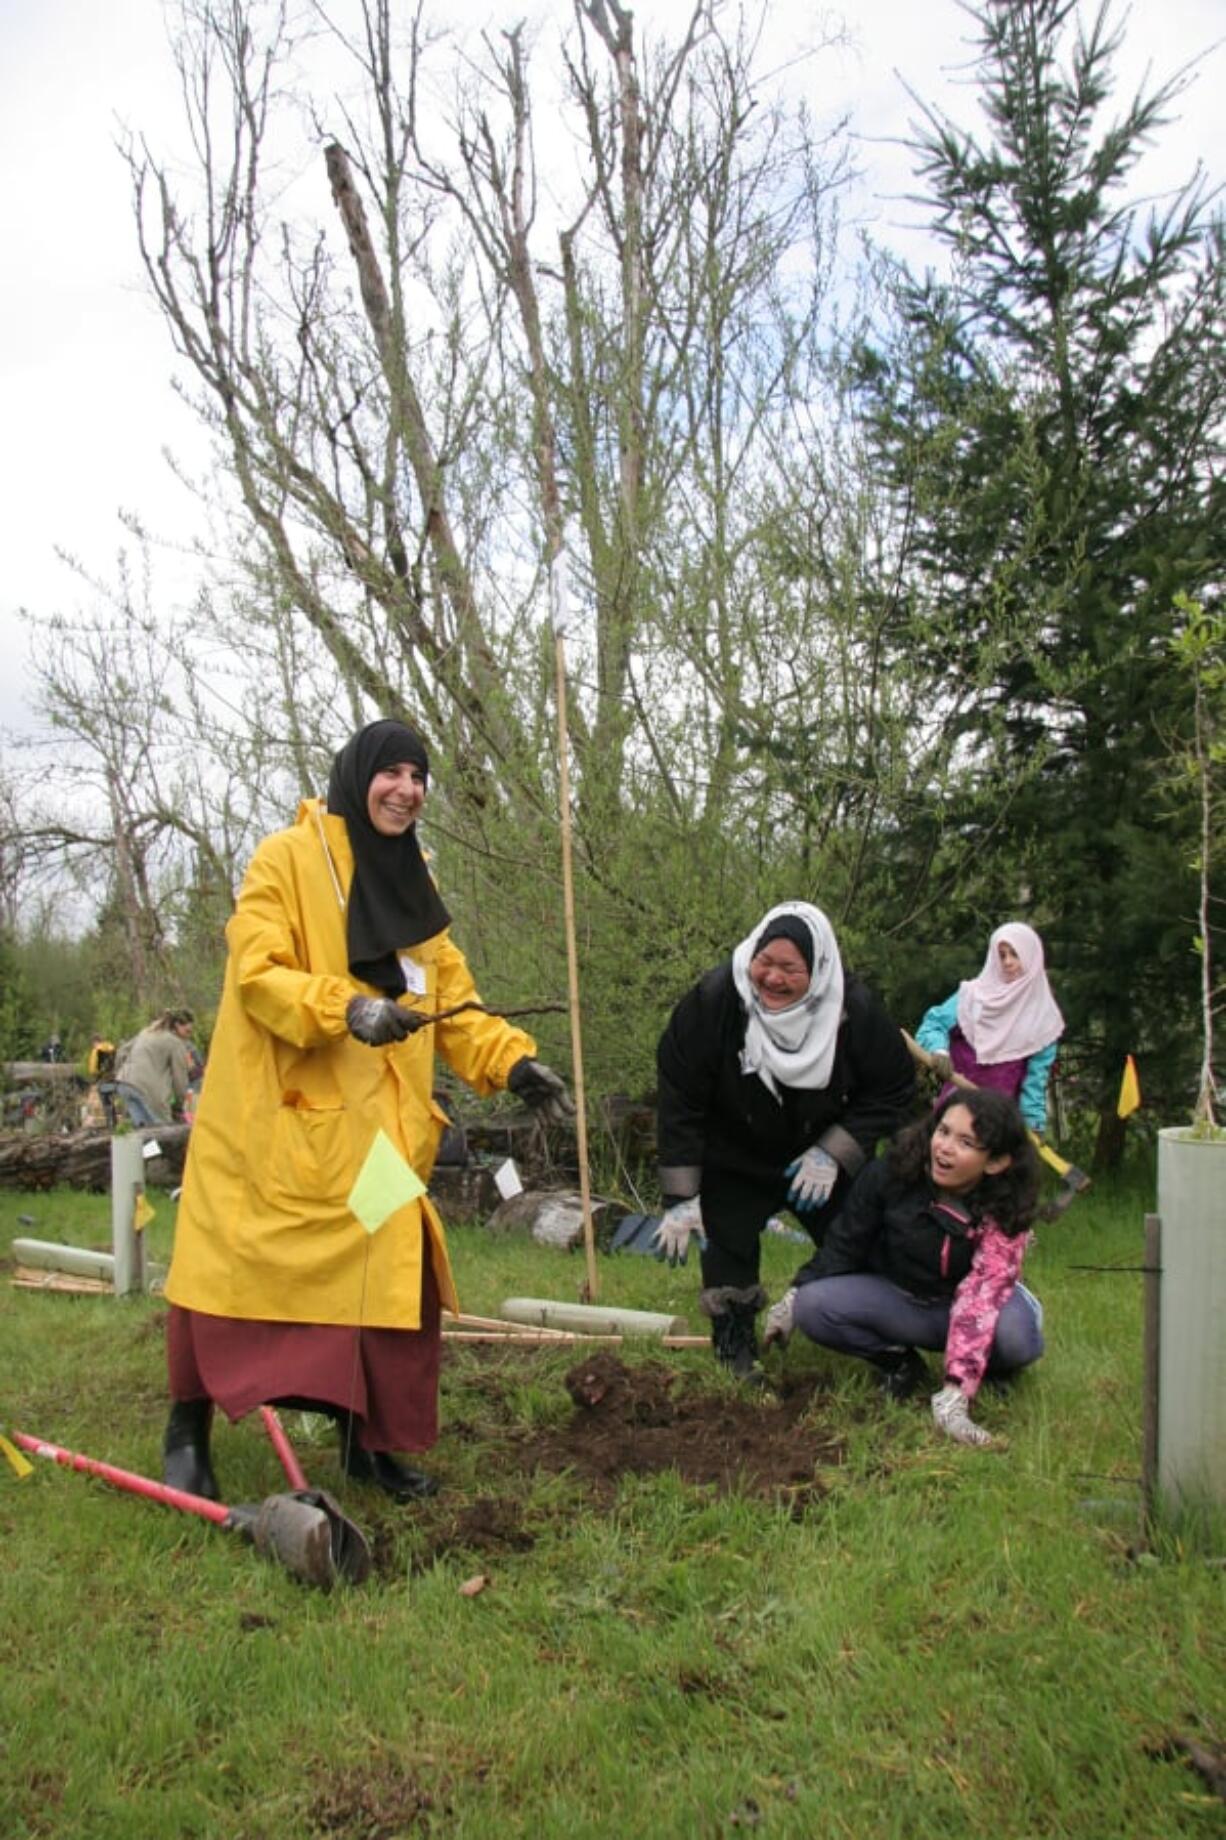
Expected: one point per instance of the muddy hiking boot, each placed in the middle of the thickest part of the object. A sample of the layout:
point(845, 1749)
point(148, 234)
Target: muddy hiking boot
point(186, 1463)
point(376, 1469)
point(901, 1372)
point(733, 1336)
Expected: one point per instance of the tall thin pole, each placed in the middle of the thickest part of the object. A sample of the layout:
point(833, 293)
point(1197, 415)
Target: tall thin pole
point(1151, 1360)
point(559, 601)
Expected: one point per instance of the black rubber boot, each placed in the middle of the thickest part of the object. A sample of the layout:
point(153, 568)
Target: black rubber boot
point(186, 1463)
point(901, 1372)
point(374, 1467)
point(733, 1336)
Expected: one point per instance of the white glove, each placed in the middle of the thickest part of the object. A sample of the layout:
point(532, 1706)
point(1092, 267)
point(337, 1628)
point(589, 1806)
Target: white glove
point(813, 1177)
point(940, 1063)
point(951, 1414)
point(671, 1238)
point(780, 1320)
point(378, 1021)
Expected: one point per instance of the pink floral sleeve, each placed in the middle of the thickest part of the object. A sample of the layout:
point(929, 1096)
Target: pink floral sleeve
point(977, 1303)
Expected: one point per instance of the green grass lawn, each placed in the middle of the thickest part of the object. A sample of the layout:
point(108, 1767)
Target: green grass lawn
point(934, 1642)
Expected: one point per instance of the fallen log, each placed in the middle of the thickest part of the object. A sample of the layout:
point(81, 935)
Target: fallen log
point(82, 1159)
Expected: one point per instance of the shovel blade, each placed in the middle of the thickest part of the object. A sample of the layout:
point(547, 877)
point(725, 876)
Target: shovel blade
point(308, 1534)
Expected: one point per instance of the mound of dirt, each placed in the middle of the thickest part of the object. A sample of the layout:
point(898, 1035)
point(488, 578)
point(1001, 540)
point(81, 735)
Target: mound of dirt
point(376, 1802)
point(643, 1419)
point(629, 1420)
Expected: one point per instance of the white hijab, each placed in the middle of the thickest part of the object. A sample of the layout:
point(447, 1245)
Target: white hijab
point(1009, 1021)
point(793, 1046)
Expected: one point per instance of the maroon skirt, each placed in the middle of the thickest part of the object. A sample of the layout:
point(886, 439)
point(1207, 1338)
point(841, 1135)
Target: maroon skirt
point(388, 1378)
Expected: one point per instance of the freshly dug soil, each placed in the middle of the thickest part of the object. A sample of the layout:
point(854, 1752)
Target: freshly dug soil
point(639, 1420)
point(631, 1421)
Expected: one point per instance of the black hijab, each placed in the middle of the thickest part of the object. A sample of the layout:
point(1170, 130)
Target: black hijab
point(393, 902)
point(787, 926)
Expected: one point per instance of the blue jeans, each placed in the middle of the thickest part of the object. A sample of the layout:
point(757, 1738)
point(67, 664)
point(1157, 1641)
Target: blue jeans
point(138, 1108)
point(863, 1314)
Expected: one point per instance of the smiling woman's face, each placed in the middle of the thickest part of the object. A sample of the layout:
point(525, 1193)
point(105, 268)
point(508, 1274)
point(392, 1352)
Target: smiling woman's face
point(779, 974)
point(394, 798)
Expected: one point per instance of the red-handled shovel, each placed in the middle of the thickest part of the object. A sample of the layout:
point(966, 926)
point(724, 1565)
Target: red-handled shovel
point(306, 1532)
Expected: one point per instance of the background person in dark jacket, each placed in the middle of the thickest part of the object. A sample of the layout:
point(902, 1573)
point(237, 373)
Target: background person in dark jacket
point(778, 1073)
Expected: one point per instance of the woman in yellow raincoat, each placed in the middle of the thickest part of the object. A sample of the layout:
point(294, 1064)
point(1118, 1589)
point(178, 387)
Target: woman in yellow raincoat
point(338, 947)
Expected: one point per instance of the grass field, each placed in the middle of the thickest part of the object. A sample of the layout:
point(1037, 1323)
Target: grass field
point(929, 1641)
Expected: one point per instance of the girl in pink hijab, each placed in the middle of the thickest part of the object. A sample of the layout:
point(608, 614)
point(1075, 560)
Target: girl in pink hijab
point(1000, 1029)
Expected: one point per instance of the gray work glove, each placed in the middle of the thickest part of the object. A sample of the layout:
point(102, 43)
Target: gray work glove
point(940, 1063)
point(780, 1320)
point(682, 1220)
point(813, 1178)
point(541, 1089)
point(951, 1413)
point(378, 1021)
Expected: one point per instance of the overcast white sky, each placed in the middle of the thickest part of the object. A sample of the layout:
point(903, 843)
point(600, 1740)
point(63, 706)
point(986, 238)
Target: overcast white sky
point(85, 365)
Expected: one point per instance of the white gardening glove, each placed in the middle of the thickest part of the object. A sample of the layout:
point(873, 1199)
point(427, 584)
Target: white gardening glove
point(671, 1238)
point(951, 1413)
point(780, 1320)
point(813, 1177)
point(940, 1063)
point(378, 1021)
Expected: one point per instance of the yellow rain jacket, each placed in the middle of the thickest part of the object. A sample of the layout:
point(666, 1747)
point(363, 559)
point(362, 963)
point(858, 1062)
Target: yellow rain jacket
point(291, 1103)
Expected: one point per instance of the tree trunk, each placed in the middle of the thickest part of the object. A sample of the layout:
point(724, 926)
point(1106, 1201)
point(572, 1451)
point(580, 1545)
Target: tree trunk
point(1109, 1144)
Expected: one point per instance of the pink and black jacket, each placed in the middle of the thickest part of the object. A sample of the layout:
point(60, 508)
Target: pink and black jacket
point(934, 1247)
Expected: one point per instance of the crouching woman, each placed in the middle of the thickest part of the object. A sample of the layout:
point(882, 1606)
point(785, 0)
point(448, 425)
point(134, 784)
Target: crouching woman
point(927, 1253)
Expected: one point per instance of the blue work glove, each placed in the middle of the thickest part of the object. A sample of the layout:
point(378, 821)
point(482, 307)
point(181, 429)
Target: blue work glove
point(813, 1178)
point(671, 1238)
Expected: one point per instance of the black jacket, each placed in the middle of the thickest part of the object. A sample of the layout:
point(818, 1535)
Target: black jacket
point(714, 1117)
point(901, 1231)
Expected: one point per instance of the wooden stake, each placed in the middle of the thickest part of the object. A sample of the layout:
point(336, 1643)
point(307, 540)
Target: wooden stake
point(572, 958)
point(24, 1279)
point(495, 1324)
point(544, 1338)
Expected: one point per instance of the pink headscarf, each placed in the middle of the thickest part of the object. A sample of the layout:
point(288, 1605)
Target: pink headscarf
point(1009, 1022)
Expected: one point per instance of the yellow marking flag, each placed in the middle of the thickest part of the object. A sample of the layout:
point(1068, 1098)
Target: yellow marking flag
point(15, 1458)
point(1130, 1089)
point(385, 1182)
point(143, 1213)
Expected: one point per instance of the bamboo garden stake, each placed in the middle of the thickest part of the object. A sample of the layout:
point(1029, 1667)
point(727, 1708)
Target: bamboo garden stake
point(558, 607)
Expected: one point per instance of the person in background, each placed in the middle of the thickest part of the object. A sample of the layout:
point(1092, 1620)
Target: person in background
point(927, 1253)
point(340, 951)
point(100, 1109)
point(52, 1050)
point(778, 1073)
point(153, 1069)
point(1000, 1029)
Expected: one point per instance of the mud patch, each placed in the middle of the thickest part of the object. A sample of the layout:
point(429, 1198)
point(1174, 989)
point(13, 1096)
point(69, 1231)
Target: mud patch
point(373, 1803)
point(1207, 1759)
point(627, 1420)
point(488, 1525)
point(641, 1420)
